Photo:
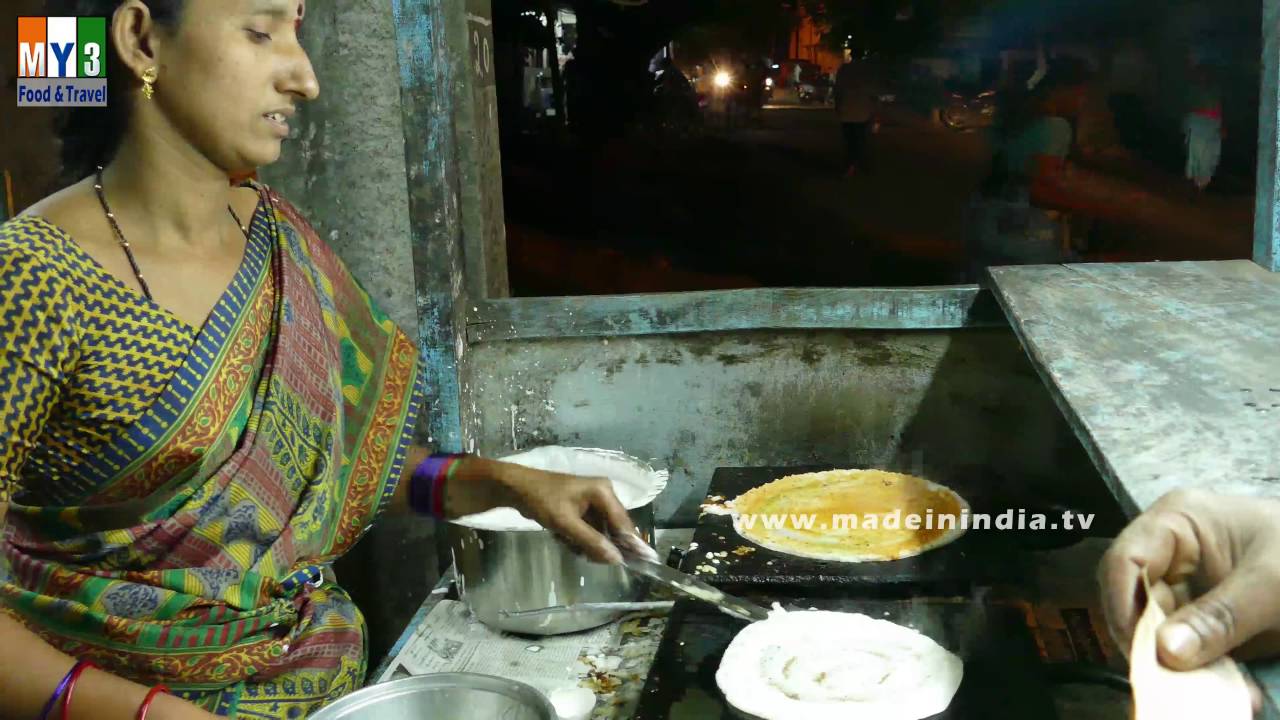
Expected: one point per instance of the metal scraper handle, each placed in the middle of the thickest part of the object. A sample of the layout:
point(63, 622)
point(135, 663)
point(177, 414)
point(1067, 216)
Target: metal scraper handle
point(690, 586)
point(590, 607)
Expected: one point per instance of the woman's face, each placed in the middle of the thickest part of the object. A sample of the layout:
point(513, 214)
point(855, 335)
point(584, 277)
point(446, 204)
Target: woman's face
point(230, 76)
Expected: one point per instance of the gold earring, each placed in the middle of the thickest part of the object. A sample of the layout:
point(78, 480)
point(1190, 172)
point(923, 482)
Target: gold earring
point(149, 82)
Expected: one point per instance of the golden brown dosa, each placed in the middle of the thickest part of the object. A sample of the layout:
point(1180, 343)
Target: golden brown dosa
point(838, 504)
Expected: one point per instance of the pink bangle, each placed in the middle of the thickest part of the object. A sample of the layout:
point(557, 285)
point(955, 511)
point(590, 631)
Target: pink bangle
point(74, 678)
point(146, 702)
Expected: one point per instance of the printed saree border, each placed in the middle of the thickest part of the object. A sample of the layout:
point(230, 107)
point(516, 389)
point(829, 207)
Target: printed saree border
point(126, 455)
point(363, 475)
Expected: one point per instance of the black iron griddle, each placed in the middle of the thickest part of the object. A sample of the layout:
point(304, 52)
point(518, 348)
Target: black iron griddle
point(977, 558)
point(1002, 676)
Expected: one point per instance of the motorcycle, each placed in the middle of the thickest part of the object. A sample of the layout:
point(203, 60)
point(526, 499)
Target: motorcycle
point(733, 99)
point(969, 109)
point(675, 103)
point(814, 92)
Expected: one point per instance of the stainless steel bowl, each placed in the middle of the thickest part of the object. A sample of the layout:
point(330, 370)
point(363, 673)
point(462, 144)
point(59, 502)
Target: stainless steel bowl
point(514, 571)
point(442, 696)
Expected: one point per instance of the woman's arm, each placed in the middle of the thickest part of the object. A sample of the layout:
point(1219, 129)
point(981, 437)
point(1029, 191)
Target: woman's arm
point(30, 670)
point(565, 504)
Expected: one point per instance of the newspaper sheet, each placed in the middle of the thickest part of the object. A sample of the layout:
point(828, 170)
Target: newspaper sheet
point(450, 639)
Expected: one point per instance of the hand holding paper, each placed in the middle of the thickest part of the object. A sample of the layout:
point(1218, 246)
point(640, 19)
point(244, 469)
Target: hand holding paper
point(1213, 565)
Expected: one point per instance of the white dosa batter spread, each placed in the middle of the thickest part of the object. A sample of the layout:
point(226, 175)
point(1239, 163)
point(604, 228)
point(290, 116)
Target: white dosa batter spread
point(819, 665)
point(635, 483)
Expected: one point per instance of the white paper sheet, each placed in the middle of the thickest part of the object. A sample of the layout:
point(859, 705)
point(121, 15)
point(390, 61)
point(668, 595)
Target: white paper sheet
point(452, 640)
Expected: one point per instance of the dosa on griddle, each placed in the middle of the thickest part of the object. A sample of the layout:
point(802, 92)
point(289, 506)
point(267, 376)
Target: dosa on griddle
point(839, 502)
point(818, 665)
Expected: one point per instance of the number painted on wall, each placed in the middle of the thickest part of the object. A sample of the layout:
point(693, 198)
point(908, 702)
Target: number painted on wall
point(482, 53)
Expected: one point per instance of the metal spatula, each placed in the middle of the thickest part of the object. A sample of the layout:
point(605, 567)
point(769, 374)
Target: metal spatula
point(644, 564)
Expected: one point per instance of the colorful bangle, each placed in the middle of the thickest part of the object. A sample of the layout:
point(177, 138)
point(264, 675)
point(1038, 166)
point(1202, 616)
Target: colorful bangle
point(57, 692)
point(72, 678)
point(146, 702)
point(426, 490)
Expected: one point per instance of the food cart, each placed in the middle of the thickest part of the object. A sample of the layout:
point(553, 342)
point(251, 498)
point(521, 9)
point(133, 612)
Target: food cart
point(1092, 387)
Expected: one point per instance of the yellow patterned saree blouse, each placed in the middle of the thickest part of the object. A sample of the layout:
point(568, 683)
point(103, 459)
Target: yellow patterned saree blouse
point(83, 357)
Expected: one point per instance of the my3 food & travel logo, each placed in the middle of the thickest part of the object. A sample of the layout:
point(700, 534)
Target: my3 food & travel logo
point(62, 61)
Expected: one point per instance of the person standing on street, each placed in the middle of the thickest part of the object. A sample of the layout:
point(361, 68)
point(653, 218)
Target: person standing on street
point(857, 98)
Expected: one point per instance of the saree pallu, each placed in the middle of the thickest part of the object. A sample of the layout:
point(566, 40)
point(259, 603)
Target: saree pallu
point(195, 553)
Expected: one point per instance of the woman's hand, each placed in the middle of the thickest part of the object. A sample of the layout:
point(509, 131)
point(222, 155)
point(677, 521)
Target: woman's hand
point(567, 505)
point(1214, 563)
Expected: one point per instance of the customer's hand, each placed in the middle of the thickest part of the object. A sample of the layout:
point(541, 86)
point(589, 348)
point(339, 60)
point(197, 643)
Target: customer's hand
point(1214, 562)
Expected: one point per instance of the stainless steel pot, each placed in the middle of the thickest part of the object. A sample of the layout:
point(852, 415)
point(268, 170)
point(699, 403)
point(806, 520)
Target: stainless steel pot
point(517, 571)
point(442, 696)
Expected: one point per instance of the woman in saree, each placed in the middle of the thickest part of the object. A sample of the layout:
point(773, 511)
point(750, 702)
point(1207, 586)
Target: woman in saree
point(200, 408)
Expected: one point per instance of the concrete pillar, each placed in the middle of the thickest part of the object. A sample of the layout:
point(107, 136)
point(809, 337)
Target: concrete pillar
point(1266, 234)
point(345, 168)
point(344, 164)
point(479, 158)
point(407, 127)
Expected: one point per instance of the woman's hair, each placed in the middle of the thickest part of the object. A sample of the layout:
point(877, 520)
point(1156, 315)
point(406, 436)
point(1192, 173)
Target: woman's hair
point(91, 135)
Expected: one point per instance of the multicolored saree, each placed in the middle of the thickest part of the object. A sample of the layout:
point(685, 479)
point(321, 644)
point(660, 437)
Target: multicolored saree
point(190, 547)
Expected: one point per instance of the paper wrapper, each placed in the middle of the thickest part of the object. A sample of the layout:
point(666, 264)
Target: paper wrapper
point(1216, 691)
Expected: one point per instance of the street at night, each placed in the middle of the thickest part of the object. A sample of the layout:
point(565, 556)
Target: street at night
point(763, 205)
point(720, 161)
point(769, 205)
